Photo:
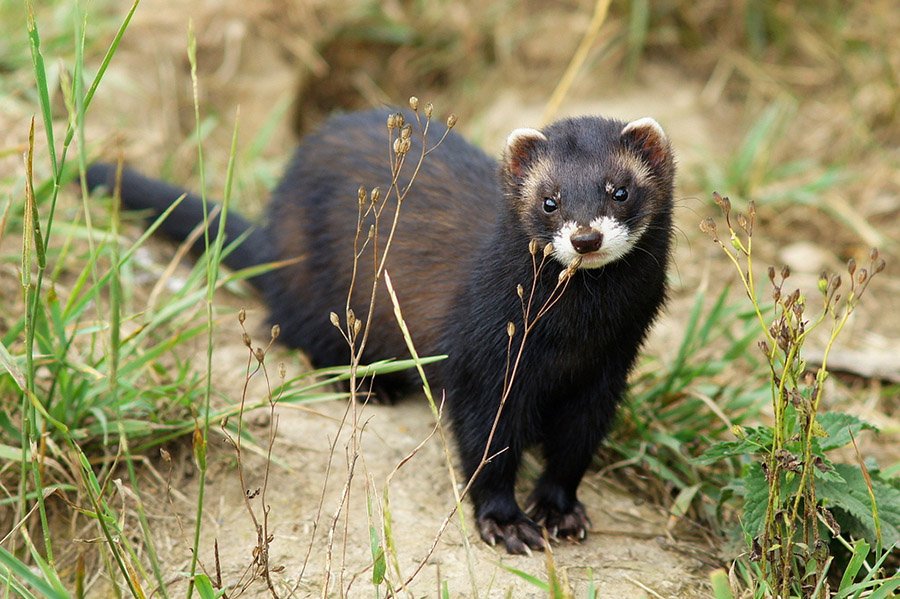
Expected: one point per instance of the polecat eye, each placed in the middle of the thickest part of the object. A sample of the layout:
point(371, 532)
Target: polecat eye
point(550, 205)
point(620, 194)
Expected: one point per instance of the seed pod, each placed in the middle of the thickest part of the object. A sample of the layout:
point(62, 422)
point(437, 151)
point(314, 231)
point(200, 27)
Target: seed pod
point(772, 274)
point(520, 291)
point(282, 371)
point(708, 226)
point(862, 276)
point(879, 266)
point(414, 103)
point(510, 329)
point(451, 121)
point(361, 195)
point(375, 195)
point(548, 249)
point(333, 317)
point(391, 121)
point(246, 339)
point(242, 315)
point(873, 255)
point(429, 108)
point(835, 282)
point(276, 331)
point(533, 247)
point(785, 272)
point(357, 326)
point(406, 132)
point(260, 355)
point(851, 266)
point(743, 223)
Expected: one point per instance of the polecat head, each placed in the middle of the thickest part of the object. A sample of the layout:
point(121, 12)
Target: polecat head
point(593, 187)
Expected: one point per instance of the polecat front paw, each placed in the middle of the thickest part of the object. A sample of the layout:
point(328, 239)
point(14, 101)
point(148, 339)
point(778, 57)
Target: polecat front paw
point(572, 524)
point(520, 535)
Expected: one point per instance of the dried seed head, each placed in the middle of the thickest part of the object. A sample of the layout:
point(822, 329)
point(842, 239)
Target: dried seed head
point(510, 329)
point(351, 316)
point(242, 315)
point(862, 276)
point(246, 339)
point(851, 266)
point(708, 226)
point(772, 274)
point(785, 272)
point(333, 317)
point(282, 371)
point(361, 195)
point(399, 121)
point(429, 108)
point(414, 103)
point(371, 231)
point(548, 249)
point(260, 355)
point(879, 266)
point(391, 121)
point(520, 291)
point(451, 121)
point(406, 132)
point(165, 455)
point(835, 282)
point(533, 247)
point(357, 325)
point(873, 255)
point(276, 331)
point(764, 347)
point(743, 223)
point(723, 202)
point(375, 195)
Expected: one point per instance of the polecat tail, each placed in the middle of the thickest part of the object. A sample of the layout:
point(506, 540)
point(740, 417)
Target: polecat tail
point(142, 193)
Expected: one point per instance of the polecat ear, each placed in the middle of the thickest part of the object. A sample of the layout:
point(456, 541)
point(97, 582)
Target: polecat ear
point(646, 137)
point(521, 146)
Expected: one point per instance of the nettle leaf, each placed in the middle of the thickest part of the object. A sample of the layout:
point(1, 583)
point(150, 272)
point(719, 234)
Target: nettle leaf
point(756, 497)
point(755, 440)
point(852, 498)
point(838, 427)
point(824, 470)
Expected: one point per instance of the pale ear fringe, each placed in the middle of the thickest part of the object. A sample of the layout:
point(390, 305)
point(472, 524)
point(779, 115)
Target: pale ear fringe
point(519, 135)
point(645, 122)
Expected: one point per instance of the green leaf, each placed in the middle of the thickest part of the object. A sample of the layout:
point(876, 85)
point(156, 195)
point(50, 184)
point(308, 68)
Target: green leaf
point(720, 586)
point(755, 440)
point(756, 499)
point(205, 588)
point(860, 552)
point(20, 573)
point(529, 578)
point(852, 497)
point(380, 564)
point(838, 428)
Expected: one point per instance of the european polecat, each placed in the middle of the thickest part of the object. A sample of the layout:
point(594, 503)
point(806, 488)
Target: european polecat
point(598, 189)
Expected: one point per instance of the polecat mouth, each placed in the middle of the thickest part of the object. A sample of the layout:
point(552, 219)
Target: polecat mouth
point(595, 259)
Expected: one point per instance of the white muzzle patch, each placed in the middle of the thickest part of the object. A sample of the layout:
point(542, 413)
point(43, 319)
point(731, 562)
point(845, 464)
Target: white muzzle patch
point(617, 242)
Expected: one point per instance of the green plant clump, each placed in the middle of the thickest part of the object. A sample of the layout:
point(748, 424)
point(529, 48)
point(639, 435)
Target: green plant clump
point(798, 505)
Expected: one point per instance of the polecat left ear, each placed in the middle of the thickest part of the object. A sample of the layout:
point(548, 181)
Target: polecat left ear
point(521, 148)
point(646, 137)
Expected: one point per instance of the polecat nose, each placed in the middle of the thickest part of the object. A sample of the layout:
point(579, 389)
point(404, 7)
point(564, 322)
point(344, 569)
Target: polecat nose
point(586, 240)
